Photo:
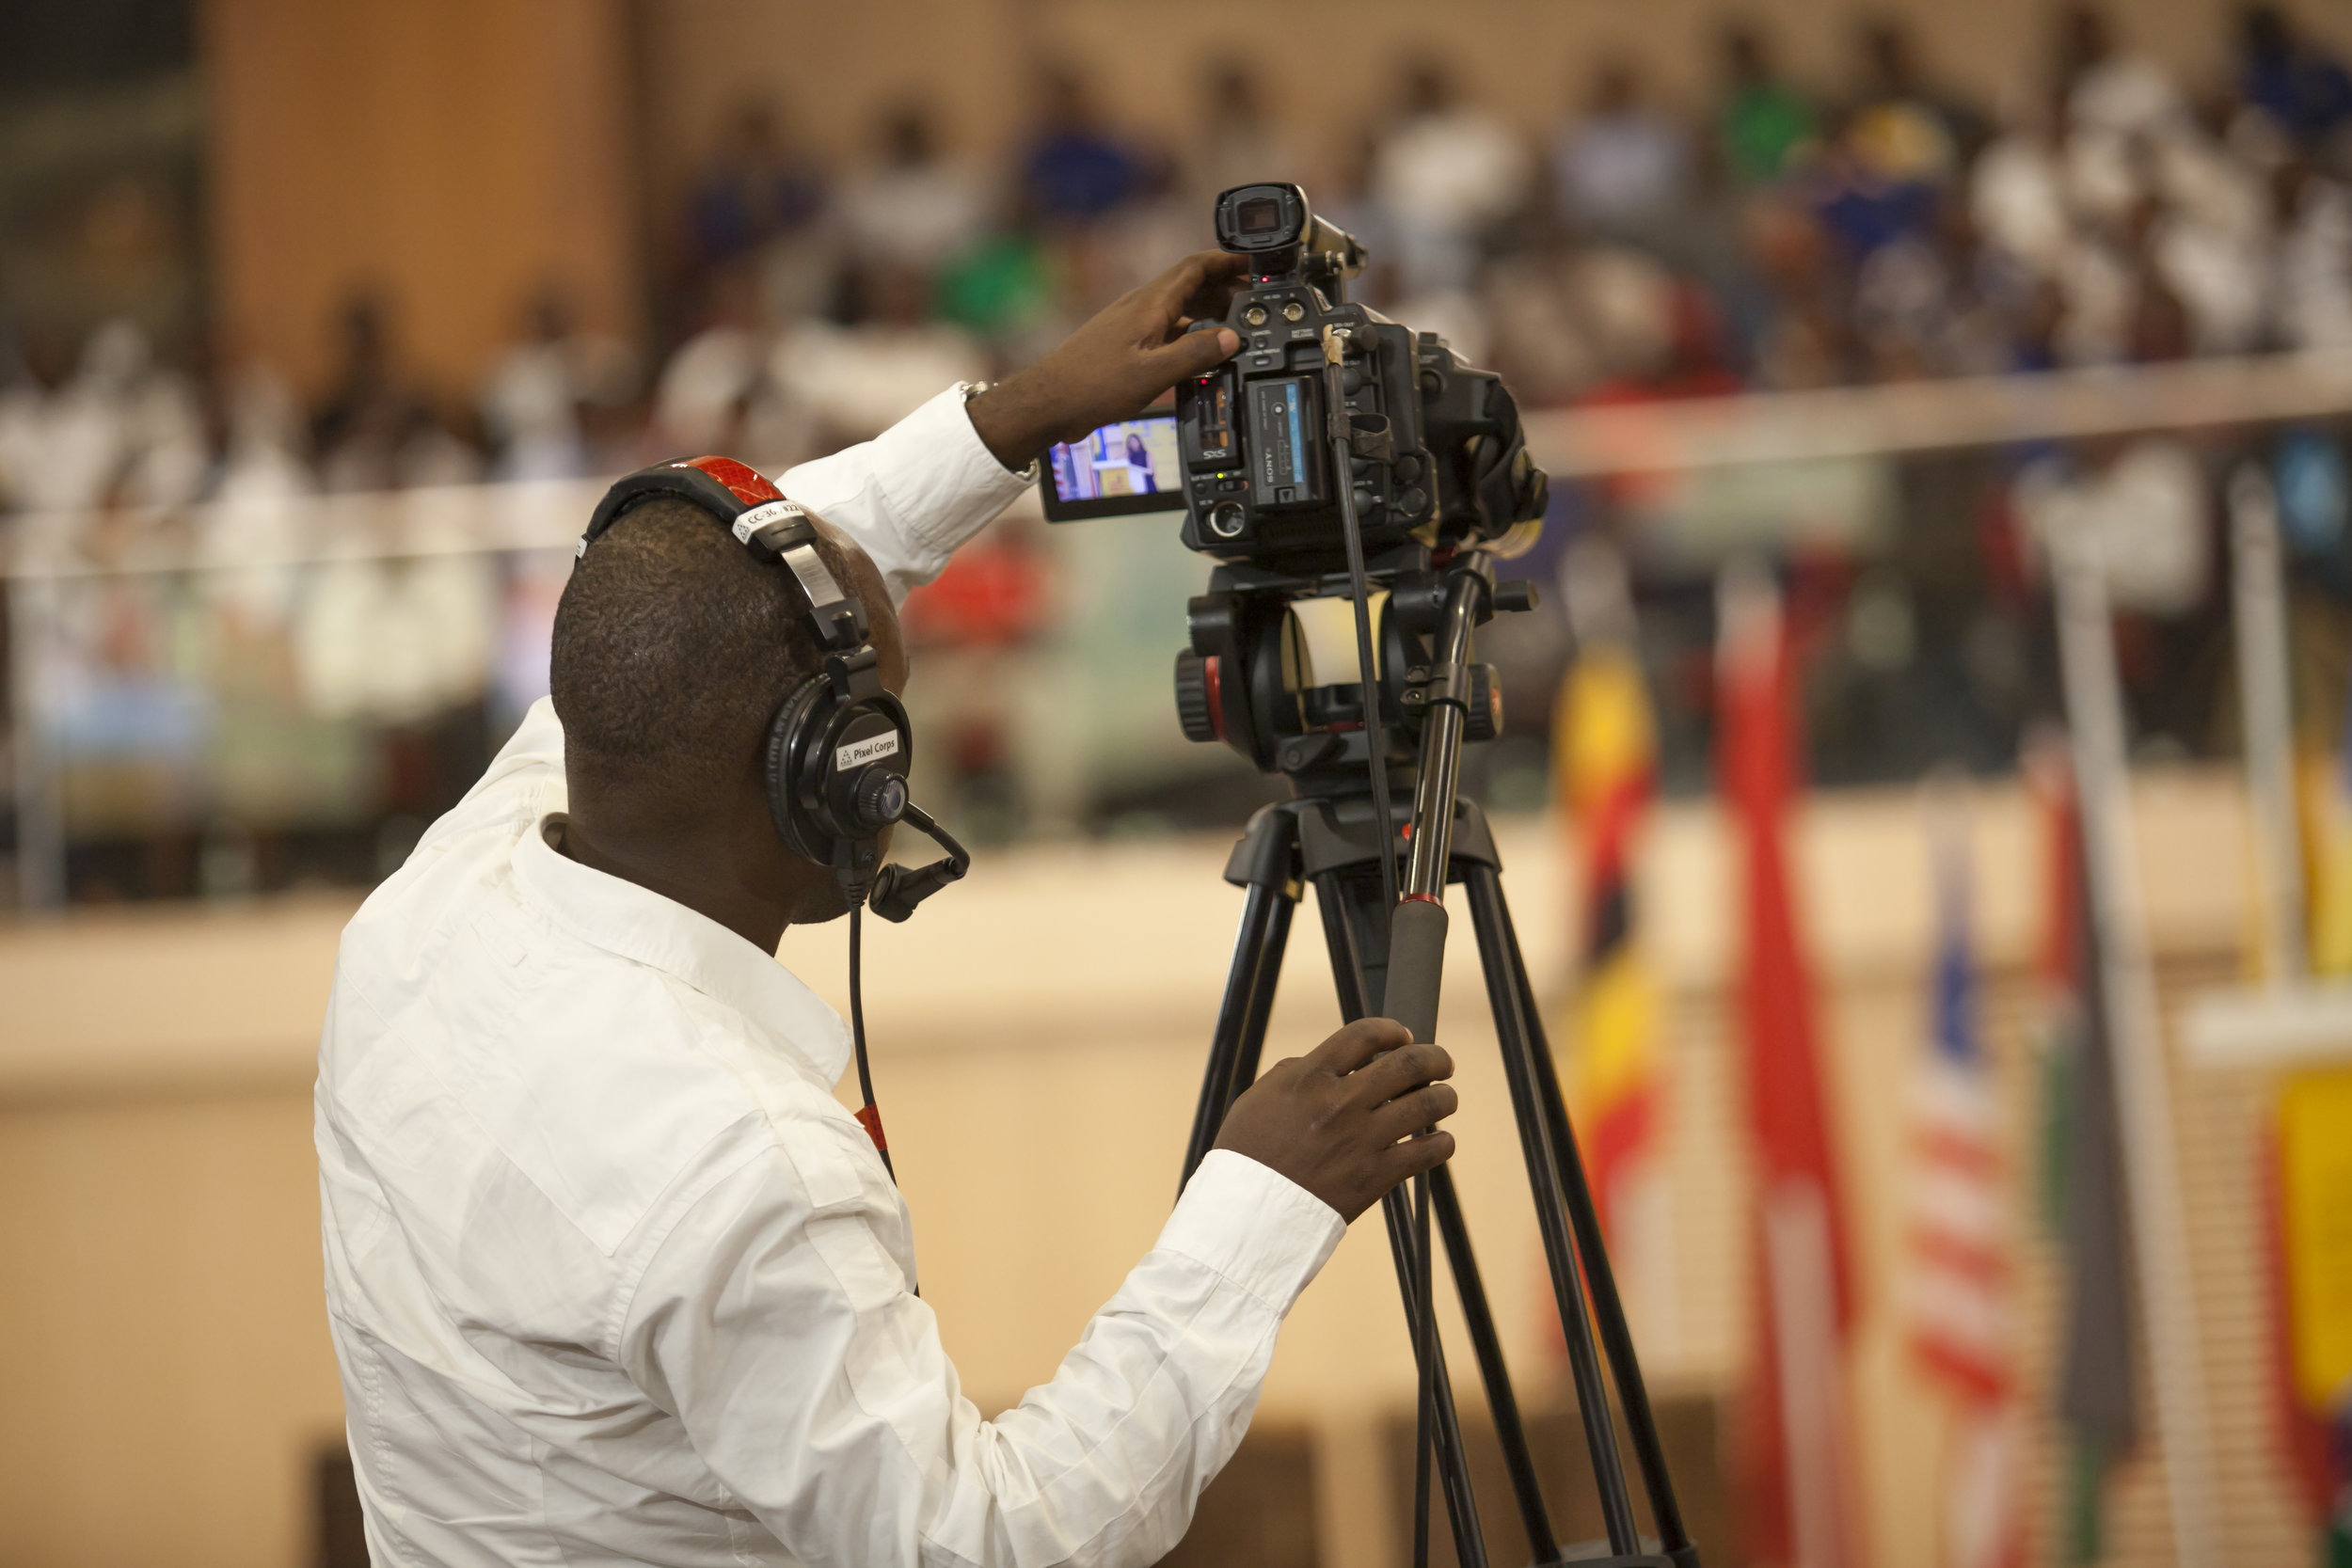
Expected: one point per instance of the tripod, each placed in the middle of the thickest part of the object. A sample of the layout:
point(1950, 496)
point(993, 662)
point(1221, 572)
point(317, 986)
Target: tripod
point(1388, 964)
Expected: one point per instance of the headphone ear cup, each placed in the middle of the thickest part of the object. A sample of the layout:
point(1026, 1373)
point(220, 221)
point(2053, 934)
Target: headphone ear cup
point(799, 722)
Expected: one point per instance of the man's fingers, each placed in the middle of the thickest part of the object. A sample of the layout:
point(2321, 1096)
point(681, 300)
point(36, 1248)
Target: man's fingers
point(1399, 1072)
point(1410, 1158)
point(1407, 1114)
point(1199, 275)
point(1360, 1042)
point(1194, 354)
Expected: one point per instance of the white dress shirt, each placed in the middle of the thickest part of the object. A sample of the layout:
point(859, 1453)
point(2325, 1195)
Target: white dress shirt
point(613, 1279)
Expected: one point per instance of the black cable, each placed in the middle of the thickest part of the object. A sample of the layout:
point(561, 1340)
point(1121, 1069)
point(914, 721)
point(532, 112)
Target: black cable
point(872, 1117)
point(1377, 760)
point(1359, 584)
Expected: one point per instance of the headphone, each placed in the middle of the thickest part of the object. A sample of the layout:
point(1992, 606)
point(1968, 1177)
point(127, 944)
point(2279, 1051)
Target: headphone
point(839, 746)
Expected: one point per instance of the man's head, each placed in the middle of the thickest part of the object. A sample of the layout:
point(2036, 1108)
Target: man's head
point(674, 648)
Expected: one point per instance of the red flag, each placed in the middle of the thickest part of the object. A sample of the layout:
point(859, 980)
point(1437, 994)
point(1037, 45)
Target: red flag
point(1794, 1478)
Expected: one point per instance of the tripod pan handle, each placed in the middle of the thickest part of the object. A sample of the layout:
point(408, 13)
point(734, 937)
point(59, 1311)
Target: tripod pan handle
point(1416, 964)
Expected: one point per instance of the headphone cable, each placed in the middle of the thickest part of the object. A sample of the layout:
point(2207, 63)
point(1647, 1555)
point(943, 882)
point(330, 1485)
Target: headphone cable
point(869, 1115)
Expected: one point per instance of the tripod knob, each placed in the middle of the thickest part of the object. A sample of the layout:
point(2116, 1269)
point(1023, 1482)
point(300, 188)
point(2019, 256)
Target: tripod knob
point(1482, 718)
point(1196, 701)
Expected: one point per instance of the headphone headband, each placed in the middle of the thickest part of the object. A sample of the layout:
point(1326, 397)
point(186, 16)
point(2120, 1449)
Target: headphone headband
point(742, 501)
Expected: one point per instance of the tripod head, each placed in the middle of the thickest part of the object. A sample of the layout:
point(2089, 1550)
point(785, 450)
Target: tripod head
point(1272, 673)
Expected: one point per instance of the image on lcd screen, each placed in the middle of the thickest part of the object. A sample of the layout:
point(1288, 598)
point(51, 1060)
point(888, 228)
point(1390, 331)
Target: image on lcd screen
point(1134, 457)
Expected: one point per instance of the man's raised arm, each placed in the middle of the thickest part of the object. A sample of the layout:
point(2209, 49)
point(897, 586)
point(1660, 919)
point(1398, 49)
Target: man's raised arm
point(913, 494)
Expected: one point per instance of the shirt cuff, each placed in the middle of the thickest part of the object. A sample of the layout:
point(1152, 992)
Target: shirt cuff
point(940, 475)
point(1253, 1225)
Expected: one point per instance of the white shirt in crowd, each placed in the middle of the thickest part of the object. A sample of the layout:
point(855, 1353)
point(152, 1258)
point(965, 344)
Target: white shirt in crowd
point(613, 1279)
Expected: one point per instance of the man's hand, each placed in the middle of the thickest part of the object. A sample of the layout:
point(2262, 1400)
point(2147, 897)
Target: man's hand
point(1136, 349)
point(1342, 1125)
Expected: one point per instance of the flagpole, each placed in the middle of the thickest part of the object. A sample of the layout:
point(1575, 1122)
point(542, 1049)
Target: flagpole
point(2127, 981)
point(2267, 718)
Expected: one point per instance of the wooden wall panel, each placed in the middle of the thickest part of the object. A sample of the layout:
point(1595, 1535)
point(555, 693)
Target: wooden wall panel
point(457, 154)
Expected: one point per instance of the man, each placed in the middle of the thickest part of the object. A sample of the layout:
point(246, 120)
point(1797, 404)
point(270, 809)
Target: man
point(612, 1276)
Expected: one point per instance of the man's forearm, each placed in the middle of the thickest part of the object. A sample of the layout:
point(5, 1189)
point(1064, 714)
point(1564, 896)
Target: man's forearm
point(1017, 419)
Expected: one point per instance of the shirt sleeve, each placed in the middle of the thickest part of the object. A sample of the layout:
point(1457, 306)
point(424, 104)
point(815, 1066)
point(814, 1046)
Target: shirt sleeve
point(911, 494)
point(778, 1326)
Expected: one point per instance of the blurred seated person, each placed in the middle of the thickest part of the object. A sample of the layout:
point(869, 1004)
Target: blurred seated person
point(1075, 169)
point(375, 429)
point(855, 380)
point(2293, 79)
point(1238, 142)
point(531, 403)
point(1863, 193)
point(611, 1274)
point(1906, 128)
point(2118, 103)
point(1444, 174)
point(1623, 166)
point(755, 187)
point(714, 393)
point(915, 206)
point(1763, 123)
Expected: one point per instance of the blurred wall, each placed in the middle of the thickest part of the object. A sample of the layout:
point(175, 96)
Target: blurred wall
point(458, 155)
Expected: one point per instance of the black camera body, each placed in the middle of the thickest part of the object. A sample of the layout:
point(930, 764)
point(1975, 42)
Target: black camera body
point(1434, 453)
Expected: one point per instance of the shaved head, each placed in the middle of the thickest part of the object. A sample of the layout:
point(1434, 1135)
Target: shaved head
point(674, 647)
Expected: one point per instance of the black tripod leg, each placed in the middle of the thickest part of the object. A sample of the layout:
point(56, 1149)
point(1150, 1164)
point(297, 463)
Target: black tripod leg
point(1487, 1346)
point(1461, 1506)
point(1560, 1251)
point(1262, 1000)
point(1257, 961)
point(1608, 1308)
point(1469, 1543)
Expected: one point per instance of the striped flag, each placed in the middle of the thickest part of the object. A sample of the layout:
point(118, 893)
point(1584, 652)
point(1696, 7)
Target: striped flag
point(1798, 1499)
point(1607, 761)
point(1955, 1294)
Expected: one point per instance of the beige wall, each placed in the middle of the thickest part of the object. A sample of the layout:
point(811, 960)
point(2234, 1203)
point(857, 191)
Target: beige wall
point(457, 154)
point(1038, 1038)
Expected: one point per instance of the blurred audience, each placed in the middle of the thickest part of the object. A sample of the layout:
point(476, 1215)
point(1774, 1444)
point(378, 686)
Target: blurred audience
point(1777, 236)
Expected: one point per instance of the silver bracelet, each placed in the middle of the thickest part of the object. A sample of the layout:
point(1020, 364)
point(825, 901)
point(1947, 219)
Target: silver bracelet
point(974, 389)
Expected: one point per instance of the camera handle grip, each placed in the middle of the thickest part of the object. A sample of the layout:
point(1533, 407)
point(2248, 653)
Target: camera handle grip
point(1416, 965)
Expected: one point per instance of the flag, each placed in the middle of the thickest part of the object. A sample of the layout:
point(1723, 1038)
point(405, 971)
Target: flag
point(2082, 1164)
point(1956, 1284)
point(1606, 745)
point(1795, 1479)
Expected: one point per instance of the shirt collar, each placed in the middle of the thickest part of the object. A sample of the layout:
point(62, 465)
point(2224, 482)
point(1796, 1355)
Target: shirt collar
point(660, 933)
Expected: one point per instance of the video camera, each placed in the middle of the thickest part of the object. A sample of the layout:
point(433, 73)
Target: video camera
point(1327, 407)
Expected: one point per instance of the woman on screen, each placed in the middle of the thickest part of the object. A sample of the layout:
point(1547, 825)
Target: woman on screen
point(1139, 466)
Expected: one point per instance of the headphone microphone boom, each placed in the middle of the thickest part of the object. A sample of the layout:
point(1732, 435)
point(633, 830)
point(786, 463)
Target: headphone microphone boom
point(840, 744)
